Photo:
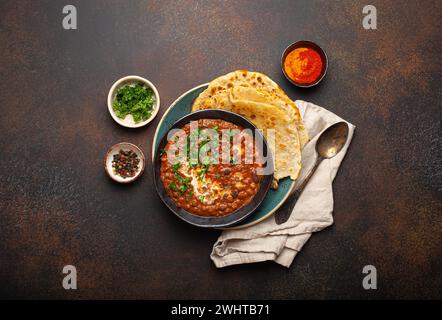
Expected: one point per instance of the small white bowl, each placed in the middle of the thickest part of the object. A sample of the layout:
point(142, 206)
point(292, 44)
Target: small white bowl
point(115, 149)
point(128, 121)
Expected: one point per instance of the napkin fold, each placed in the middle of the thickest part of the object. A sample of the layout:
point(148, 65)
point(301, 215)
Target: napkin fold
point(313, 212)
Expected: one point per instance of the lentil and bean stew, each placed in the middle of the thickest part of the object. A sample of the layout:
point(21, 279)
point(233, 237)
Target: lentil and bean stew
point(208, 187)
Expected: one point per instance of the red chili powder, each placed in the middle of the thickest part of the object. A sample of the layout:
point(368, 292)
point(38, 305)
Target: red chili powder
point(303, 65)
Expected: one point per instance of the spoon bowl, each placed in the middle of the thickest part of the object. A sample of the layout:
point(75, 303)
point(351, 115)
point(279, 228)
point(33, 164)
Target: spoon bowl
point(332, 140)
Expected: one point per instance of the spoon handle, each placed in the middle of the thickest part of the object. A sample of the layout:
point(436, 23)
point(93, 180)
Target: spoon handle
point(283, 213)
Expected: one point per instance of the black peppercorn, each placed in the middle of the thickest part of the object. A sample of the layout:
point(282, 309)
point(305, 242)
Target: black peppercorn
point(125, 163)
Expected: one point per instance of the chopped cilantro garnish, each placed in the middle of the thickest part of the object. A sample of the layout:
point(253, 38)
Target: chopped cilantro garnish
point(136, 100)
point(189, 194)
point(201, 172)
point(175, 167)
point(179, 177)
point(184, 183)
point(183, 188)
point(172, 186)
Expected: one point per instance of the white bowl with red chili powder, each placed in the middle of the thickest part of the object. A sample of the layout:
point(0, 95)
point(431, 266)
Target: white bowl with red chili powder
point(124, 162)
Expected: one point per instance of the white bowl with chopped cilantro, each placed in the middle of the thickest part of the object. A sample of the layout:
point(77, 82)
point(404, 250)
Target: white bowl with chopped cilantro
point(133, 101)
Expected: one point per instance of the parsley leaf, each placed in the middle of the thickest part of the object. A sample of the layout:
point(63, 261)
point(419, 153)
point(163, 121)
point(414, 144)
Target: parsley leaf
point(136, 100)
point(175, 167)
point(183, 188)
point(172, 186)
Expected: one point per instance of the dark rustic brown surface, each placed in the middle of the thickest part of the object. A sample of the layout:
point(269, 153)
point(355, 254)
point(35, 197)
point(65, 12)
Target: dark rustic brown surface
point(58, 206)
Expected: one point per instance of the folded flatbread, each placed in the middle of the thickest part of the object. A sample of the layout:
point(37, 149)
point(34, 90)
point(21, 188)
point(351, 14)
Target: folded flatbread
point(259, 99)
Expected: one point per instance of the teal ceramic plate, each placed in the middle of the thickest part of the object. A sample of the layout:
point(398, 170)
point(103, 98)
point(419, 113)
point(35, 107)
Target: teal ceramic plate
point(183, 106)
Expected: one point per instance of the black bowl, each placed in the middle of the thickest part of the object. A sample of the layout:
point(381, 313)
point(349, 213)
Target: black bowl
point(307, 44)
point(239, 214)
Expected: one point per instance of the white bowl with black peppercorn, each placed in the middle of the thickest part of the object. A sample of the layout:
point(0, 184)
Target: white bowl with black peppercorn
point(133, 101)
point(124, 162)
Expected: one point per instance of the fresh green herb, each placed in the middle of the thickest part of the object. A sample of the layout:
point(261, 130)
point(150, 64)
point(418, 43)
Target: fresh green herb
point(162, 152)
point(136, 100)
point(201, 198)
point(179, 177)
point(204, 168)
point(172, 186)
point(216, 128)
point(183, 188)
point(189, 194)
point(184, 183)
point(175, 167)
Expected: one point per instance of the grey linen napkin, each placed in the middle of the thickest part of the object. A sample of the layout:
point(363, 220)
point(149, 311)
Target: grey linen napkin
point(313, 211)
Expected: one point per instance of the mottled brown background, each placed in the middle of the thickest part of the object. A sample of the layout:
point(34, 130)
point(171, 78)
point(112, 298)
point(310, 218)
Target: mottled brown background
point(58, 206)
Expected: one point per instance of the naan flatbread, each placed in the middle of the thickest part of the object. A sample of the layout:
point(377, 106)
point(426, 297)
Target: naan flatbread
point(285, 147)
point(259, 99)
point(219, 90)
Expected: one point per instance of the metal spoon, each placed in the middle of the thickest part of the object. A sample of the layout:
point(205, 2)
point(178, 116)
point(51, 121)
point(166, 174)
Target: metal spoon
point(328, 145)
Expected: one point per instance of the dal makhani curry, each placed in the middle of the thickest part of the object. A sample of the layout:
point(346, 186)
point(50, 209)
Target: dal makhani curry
point(219, 180)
